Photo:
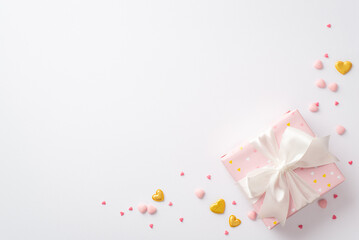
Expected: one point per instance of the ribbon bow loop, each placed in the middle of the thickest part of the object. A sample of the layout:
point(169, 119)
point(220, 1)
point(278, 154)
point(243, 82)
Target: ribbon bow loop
point(277, 180)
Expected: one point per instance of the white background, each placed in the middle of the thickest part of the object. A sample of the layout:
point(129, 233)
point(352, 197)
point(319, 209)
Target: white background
point(110, 100)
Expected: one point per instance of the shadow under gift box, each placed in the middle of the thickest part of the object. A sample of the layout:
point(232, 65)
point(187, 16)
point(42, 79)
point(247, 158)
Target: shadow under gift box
point(246, 158)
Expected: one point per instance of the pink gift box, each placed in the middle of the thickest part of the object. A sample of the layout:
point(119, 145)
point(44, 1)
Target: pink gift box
point(246, 158)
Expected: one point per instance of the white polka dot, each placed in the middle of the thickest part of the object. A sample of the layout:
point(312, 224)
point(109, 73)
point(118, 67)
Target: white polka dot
point(331, 173)
point(312, 173)
point(248, 159)
point(339, 177)
point(268, 227)
point(319, 190)
point(293, 209)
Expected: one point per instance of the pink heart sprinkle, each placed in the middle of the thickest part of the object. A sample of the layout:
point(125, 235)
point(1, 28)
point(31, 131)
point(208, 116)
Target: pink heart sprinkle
point(329, 25)
point(318, 64)
point(142, 208)
point(252, 215)
point(170, 204)
point(326, 55)
point(181, 219)
point(234, 203)
point(103, 203)
point(182, 173)
point(199, 193)
point(151, 225)
point(336, 103)
point(317, 104)
point(226, 232)
point(333, 87)
point(300, 226)
point(335, 195)
point(334, 217)
point(209, 177)
point(340, 130)
point(320, 83)
point(322, 203)
point(313, 107)
point(122, 213)
point(151, 209)
point(130, 208)
point(350, 162)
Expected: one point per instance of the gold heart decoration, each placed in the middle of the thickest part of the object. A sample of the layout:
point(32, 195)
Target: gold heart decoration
point(158, 196)
point(233, 221)
point(343, 67)
point(218, 207)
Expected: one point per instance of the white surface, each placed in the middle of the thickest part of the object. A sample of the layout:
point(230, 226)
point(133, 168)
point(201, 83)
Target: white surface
point(110, 100)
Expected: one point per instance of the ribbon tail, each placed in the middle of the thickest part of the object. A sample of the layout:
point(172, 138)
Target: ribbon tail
point(276, 199)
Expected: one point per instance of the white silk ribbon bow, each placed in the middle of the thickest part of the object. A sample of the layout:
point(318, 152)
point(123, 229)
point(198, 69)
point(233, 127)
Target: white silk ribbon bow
point(277, 180)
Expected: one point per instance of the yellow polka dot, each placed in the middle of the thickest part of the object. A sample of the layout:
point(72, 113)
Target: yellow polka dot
point(275, 222)
point(230, 162)
point(328, 184)
point(241, 148)
point(324, 175)
point(315, 181)
point(288, 124)
point(239, 169)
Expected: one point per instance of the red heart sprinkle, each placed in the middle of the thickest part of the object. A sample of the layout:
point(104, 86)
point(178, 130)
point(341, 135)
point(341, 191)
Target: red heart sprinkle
point(336, 103)
point(151, 225)
point(226, 232)
point(130, 208)
point(317, 103)
point(181, 219)
point(122, 213)
point(300, 226)
point(182, 173)
point(350, 162)
point(170, 204)
point(103, 203)
point(234, 203)
point(326, 55)
point(334, 217)
point(335, 195)
point(329, 25)
point(209, 177)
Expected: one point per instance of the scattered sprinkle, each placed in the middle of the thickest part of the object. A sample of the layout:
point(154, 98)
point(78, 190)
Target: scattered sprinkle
point(151, 209)
point(182, 173)
point(252, 215)
point(334, 217)
point(313, 107)
point(320, 83)
point(350, 162)
point(170, 204)
point(234, 203)
point(181, 219)
point(329, 25)
point(333, 87)
point(322, 203)
point(130, 208)
point(103, 203)
point(318, 64)
point(336, 103)
point(226, 232)
point(335, 196)
point(122, 213)
point(199, 193)
point(151, 225)
point(326, 55)
point(209, 177)
point(340, 130)
point(142, 208)
point(300, 226)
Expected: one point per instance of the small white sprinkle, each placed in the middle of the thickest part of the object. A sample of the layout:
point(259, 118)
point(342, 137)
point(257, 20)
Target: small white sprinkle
point(319, 190)
point(268, 227)
point(312, 173)
point(293, 209)
point(331, 173)
point(339, 176)
point(248, 159)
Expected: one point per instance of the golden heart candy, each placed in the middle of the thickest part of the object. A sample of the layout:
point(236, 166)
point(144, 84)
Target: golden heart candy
point(158, 196)
point(218, 207)
point(343, 67)
point(233, 221)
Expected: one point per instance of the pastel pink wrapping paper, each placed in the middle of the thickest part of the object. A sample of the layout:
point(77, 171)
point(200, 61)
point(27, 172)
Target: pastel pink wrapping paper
point(246, 158)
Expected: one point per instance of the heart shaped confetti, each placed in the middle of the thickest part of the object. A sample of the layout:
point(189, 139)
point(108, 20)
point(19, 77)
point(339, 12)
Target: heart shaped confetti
point(340, 130)
point(122, 213)
point(252, 215)
point(335, 196)
point(151, 209)
point(326, 55)
point(182, 173)
point(209, 177)
point(103, 203)
point(142, 208)
point(320, 83)
point(329, 25)
point(343, 67)
point(300, 226)
point(226, 232)
point(170, 204)
point(218, 207)
point(233, 221)
point(151, 225)
point(336, 103)
point(333, 87)
point(181, 219)
point(322, 203)
point(234, 203)
point(130, 208)
point(318, 64)
point(199, 193)
point(334, 217)
point(350, 162)
point(158, 196)
point(313, 107)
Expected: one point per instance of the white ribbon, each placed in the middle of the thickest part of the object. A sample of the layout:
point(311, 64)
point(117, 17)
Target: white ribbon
point(278, 180)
